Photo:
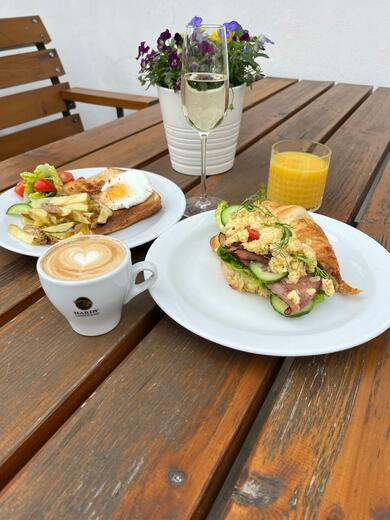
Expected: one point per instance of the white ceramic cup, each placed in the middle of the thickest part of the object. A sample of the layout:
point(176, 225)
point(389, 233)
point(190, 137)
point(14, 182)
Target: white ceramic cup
point(94, 306)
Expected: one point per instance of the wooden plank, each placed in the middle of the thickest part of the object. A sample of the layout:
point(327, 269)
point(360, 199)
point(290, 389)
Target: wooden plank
point(317, 122)
point(22, 32)
point(91, 140)
point(69, 148)
point(33, 104)
point(57, 369)
point(38, 135)
point(133, 152)
point(376, 219)
point(261, 90)
point(28, 67)
point(323, 452)
point(110, 99)
point(156, 438)
point(357, 149)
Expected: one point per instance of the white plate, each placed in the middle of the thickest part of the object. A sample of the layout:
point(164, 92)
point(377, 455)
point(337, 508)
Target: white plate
point(173, 205)
point(192, 290)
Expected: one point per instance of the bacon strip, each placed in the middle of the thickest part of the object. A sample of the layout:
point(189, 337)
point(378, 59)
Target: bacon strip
point(242, 254)
point(283, 288)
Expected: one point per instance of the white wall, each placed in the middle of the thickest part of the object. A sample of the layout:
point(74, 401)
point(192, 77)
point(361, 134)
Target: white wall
point(343, 40)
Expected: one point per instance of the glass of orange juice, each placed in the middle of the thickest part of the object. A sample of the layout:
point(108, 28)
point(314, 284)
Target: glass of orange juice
point(297, 173)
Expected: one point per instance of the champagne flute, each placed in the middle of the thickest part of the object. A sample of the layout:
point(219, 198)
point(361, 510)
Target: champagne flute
point(204, 94)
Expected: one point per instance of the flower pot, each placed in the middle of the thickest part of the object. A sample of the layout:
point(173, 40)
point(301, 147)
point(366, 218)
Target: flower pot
point(184, 142)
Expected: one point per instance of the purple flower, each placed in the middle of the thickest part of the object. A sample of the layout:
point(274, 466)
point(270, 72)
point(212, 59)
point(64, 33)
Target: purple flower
point(173, 60)
point(205, 48)
point(194, 67)
point(142, 49)
point(178, 39)
point(264, 39)
point(195, 22)
point(148, 58)
point(245, 37)
point(178, 84)
point(231, 26)
point(164, 36)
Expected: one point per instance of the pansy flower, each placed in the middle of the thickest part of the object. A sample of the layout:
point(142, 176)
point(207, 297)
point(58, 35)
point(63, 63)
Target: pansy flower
point(195, 22)
point(142, 49)
point(173, 60)
point(164, 36)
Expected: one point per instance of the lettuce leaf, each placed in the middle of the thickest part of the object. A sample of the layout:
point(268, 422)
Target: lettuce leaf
point(42, 171)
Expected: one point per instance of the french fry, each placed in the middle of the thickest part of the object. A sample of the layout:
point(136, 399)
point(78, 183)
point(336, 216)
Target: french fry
point(75, 207)
point(82, 229)
point(19, 234)
point(60, 236)
point(59, 228)
point(78, 216)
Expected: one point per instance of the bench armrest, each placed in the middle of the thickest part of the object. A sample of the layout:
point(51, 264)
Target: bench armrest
point(110, 99)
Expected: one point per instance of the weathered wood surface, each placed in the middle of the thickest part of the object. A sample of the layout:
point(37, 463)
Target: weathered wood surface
point(57, 369)
point(37, 135)
point(22, 31)
point(154, 441)
point(375, 220)
point(324, 450)
point(27, 67)
point(109, 99)
point(30, 105)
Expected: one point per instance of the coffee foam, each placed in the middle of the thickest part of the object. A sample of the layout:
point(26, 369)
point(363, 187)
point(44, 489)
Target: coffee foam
point(83, 258)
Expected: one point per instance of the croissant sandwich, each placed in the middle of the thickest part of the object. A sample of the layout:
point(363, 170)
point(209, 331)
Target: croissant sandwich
point(278, 252)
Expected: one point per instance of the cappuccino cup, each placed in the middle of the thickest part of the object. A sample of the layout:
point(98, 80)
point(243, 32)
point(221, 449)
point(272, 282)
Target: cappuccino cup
point(89, 278)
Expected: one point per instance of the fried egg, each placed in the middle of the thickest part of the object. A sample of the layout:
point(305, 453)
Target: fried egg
point(124, 190)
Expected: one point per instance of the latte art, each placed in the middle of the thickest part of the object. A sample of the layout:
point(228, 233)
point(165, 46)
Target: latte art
point(83, 258)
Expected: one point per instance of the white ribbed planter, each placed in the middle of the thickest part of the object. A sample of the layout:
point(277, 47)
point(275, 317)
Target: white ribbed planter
point(184, 142)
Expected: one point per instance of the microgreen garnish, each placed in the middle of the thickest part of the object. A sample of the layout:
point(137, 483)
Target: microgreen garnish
point(286, 235)
point(318, 271)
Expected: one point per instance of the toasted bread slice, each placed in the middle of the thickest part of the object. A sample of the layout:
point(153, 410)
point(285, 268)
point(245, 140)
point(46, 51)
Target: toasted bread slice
point(122, 218)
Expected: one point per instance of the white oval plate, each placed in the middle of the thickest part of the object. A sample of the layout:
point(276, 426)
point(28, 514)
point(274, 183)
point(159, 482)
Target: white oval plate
point(192, 290)
point(173, 205)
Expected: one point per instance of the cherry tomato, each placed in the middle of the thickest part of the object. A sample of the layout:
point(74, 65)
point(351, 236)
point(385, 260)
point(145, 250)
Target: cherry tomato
point(253, 234)
point(19, 188)
point(66, 177)
point(43, 186)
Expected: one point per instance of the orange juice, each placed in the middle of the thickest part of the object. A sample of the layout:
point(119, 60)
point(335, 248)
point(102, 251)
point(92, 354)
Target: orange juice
point(297, 178)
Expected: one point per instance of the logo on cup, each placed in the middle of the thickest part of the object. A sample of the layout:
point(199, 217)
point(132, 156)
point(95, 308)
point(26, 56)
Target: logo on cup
point(83, 303)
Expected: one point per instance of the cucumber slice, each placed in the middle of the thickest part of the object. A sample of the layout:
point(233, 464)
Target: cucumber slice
point(18, 209)
point(228, 212)
point(280, 306)
point(258, 269)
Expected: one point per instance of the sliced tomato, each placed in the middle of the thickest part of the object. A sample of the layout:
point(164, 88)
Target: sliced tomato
point(43, 186)
point(253, 234)
point(66, 177)
point(19, 188)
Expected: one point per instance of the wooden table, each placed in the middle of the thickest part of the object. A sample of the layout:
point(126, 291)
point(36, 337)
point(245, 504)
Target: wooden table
point(153, 422)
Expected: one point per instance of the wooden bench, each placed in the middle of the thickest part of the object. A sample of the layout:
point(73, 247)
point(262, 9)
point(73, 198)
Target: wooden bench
point(38, 65)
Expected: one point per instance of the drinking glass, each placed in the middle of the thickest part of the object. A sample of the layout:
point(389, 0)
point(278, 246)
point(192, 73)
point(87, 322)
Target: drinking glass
point(204, 94)
point(298, 172)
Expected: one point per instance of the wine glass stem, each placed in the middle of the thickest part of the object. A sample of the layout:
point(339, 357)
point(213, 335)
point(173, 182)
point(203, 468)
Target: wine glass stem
point(203, 146)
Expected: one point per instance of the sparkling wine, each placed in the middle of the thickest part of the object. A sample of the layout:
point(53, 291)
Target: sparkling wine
point(205, 99)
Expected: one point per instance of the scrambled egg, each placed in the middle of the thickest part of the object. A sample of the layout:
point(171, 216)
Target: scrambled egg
point(327, 286)
point(283, 259)
point(294, 297)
